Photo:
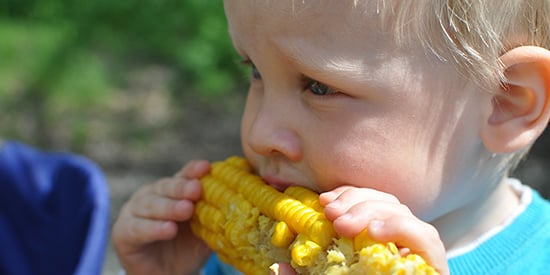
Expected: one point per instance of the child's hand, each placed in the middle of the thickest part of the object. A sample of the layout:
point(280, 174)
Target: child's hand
point(353, 209)
point(283, 269)
point(152, 234)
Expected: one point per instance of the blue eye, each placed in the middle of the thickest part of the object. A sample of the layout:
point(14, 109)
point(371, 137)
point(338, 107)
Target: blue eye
point(255, 73)
point(318, 88)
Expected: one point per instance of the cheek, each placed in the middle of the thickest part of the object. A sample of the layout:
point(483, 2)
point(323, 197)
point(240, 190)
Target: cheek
point(246, 122)
point(388, 161)
point(247, 119)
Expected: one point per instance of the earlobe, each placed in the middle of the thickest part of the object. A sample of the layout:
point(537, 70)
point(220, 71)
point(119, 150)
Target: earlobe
point(520, 109)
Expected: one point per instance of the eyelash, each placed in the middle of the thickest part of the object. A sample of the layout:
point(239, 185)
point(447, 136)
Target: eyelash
point(254, 71)
point(317, 88)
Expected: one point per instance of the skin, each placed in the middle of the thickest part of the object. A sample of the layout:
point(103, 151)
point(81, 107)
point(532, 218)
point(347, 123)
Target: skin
point(150, 234)
point(394, 140)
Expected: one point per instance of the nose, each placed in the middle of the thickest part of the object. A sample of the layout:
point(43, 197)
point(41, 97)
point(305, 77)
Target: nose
point(272, 130)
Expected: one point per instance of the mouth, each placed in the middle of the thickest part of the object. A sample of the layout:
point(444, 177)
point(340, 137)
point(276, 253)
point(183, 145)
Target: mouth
point(277, 183)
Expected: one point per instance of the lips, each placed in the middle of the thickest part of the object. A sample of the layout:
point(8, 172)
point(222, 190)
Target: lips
point(277, 183)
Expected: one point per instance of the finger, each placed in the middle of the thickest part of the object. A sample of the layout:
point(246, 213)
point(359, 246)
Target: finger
point(161, 208)
point(136, 232)
point(358, 217)
point(350, 196)
point(282, 269)
point(327, 197)
point(330, 196)
point(194, 169)
point(178, 188)
point(419, 237)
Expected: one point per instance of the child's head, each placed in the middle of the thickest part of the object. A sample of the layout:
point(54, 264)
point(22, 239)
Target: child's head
point(405, 98)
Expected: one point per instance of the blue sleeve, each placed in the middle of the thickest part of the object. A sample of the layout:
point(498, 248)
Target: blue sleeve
point(54, 212)
point(216, 267)
point(212, 266)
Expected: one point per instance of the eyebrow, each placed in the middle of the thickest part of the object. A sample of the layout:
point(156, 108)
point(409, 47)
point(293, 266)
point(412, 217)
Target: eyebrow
point(379, 73)
point(323, 65)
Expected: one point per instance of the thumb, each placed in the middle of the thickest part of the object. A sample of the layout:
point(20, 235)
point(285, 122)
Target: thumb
point(282, 269)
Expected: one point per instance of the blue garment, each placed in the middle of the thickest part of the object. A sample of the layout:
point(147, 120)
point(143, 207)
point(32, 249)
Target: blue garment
point(214, 266)
point(54, 212)
point(522, 247)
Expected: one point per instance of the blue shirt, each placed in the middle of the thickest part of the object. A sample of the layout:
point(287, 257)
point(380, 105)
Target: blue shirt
point(520, 247)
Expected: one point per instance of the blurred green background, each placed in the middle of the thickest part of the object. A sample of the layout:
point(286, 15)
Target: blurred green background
point(74, 73)
point(138, 86)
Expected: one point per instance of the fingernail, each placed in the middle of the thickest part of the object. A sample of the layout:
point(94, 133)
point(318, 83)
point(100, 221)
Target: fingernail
point(376, 225)
point(166, 226)
point(345, 217)
point(334, 204)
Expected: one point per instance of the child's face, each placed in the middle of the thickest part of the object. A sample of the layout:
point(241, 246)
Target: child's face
point(335, 102)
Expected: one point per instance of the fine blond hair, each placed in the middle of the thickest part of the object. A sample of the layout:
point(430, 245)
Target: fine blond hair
point(473, 33)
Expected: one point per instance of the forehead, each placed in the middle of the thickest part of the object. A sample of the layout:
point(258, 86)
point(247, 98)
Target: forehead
point(300, 11)
point(352, 22)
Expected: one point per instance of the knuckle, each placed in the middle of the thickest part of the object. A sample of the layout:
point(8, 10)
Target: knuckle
point(179, 189)
point(148, 207)
point(142, 191)
point(405, 209)
point(433, 233)
point(393, 198)
point(160, 185)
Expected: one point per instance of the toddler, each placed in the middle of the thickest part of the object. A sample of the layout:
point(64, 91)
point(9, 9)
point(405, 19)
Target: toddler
point(406, 116)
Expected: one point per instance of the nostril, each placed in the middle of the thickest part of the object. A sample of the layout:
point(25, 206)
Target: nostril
point(275, 141)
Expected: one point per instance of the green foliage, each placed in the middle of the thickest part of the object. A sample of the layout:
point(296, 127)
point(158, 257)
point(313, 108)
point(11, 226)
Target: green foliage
point(63, 57)
point(189, 35)
point(83, 82)
point(25, 50)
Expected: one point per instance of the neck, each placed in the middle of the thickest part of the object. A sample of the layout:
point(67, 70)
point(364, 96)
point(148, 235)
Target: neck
point(467, 224)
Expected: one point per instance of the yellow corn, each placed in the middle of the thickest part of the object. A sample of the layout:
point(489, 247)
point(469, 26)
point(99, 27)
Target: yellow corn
point(252, 226)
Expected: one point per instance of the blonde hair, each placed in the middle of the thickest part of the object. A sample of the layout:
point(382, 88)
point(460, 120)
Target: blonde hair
point(474, 33)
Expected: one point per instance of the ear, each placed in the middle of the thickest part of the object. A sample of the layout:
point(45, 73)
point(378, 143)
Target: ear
point(520, 109)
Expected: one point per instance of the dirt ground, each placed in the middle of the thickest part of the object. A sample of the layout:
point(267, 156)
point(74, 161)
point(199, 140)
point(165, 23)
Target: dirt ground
point(213, 135)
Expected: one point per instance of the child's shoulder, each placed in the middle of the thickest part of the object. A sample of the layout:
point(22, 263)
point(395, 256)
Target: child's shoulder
point(538, 209)
point(533, 238)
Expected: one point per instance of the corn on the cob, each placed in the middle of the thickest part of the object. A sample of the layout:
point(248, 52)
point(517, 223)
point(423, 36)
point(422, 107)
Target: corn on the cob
point(253, 226)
